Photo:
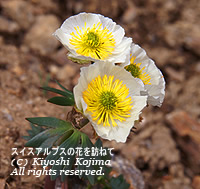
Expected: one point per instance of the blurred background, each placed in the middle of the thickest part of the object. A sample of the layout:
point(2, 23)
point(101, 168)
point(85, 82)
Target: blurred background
point(165, 150)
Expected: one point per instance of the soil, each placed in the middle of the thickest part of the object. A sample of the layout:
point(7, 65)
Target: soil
point(166, 145)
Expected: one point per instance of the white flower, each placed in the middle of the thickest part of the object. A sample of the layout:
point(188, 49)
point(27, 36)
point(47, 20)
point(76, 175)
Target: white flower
point(90, 37)
point(110, 98)
point(144, 68)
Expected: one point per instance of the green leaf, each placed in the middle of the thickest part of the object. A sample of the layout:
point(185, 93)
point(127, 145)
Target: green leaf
point(47, 138)
point(48, 143)
point(62, 101)
point(37, 140)
point(65, 93)
point(71, 142)
point(119, 183)
point(57, 91)
point(33, 131)
point(98, 143)
point(86, 142)
point(64, 136)
point(50, 122)
point(66, 90)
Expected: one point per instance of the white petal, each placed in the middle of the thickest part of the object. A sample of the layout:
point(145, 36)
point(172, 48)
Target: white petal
point(103, 68)
point(155, 91)
point(62, 37)
point(117, 31)
point(122, 44)
point(121, 51)
point(86, 76)
point(122, 130)
point(63, 34)
point(79, 20)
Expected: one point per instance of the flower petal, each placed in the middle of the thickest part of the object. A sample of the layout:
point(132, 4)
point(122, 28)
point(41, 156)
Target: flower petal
point(135, 86)
point(76, 26)
point(156, 89)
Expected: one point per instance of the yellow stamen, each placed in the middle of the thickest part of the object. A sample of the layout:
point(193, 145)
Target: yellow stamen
point(107, 100)
point(93, 41)
point(136, 71)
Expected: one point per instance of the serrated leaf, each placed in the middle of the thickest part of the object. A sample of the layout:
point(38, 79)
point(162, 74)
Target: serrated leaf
point(62, 101)
point(62, 133)
point(64, 136)
point(47, 138)
point(85, 142)
point(71, 142)
point(50, 122)
point(56, 156)
point(37, 140)
point(49, 142)
point(33, 131)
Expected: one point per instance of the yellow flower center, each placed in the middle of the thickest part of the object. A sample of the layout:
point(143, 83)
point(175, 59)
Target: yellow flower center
point(107, 100)
point(95, 42)
point(136, 71)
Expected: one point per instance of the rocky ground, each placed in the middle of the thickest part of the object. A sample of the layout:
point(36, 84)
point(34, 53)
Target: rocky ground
point(166, 146)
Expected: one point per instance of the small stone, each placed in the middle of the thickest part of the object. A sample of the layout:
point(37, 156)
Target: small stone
point(9, 55)
point(197, 67)
point(187, 131)
point(175, 75)
point(70, 70)
point(2, 183)
point(193, 43)
point(8, 26)
point(196, 182)
point(29, 102)
point(78, 7)
point(35, 110)
point(177, 170)
point(184, 125)
point(19, 11)
point(39, 38)
point(165, 56)
point(75, 79)
point(53, 69)
point(130, 172)
point(8, 117)
point(46, 6)
point(17, 70)
point(153, 147)
point(171, 34)
point(66, 72)
point(60, 56)
point(37, 99)
point(130, 13)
